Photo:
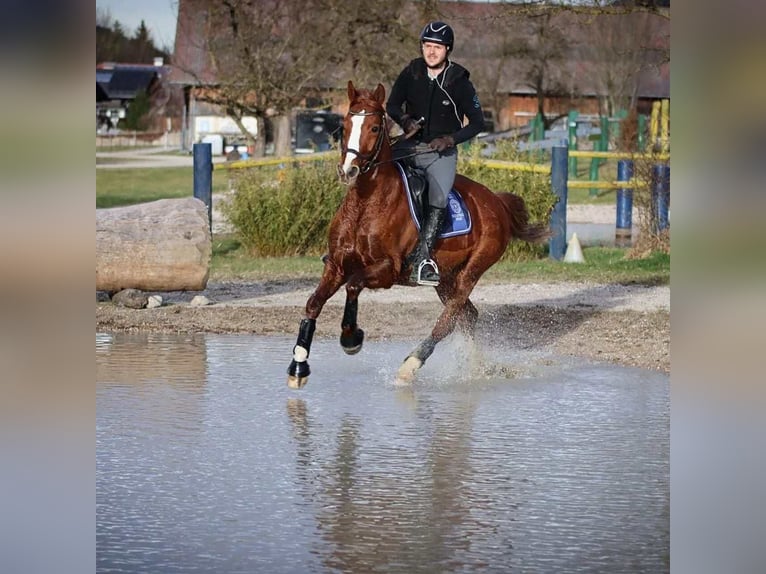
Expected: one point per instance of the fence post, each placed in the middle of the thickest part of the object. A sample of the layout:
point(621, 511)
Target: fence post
point(623, 230)
point(203, 177)
point(572, 125)
point(660, 197)
point(641, 133)
point(595, 163)
point(654, 126)
point(603, 137)
point(559, 176)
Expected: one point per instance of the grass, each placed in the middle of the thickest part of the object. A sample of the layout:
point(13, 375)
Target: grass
point(116, 187)
point(602, 265)
point(114, 160)
point(231, 262)
point(578, 196)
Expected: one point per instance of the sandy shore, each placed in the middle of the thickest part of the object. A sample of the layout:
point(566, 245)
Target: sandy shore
point(622, 324)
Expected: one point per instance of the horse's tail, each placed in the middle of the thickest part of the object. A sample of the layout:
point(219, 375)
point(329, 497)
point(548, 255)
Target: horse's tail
point(519, 219)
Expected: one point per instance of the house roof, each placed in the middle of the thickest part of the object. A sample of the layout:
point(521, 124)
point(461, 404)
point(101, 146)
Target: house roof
point(124, 81)
point(482, 27)
point(191, 57)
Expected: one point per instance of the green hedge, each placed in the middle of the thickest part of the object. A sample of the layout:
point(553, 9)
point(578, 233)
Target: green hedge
point(535, 188)
point(287, 211)
point(278, 212)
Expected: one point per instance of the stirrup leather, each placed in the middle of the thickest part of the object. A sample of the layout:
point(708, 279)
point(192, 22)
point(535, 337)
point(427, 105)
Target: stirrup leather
point(422, 281)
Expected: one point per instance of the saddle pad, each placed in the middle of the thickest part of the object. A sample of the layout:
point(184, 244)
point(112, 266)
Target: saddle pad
point(458, 218)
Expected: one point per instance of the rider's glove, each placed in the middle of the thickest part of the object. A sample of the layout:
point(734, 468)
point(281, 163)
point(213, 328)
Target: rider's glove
point(410, 126)
point(441, 143)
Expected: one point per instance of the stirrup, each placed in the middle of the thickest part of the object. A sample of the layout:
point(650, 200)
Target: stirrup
point(428, 282)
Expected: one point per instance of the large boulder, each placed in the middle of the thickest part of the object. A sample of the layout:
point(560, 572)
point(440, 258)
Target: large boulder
point(163, 245)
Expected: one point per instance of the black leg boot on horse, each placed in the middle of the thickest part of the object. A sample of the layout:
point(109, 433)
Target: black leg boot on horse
point(424, 268)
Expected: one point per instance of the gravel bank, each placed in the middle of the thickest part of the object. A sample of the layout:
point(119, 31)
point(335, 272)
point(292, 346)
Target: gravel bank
point(622, 324)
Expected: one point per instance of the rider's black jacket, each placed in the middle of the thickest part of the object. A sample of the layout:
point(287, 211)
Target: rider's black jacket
point(442, 102)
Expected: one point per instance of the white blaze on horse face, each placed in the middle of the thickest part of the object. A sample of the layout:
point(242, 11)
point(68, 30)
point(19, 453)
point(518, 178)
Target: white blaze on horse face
point(353, 140)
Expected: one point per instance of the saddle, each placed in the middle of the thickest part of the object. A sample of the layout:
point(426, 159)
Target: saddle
point(417, 185)
point(458, 218)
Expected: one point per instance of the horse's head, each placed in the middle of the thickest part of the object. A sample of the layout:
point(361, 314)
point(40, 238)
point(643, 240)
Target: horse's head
point(364, 132)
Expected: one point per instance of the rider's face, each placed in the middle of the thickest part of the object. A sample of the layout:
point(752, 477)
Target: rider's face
point(434, 54)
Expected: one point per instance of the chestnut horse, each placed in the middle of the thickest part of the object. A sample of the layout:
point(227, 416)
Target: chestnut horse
point(373, 232)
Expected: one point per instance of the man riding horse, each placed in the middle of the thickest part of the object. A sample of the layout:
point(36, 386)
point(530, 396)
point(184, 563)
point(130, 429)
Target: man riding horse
point(429, 100)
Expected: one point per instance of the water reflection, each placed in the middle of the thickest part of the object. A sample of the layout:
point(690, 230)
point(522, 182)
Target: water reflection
point(217, 466)
point(130, 358)
point(391, 507)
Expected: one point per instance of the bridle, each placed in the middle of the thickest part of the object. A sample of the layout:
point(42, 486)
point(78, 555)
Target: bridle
point(369, 158)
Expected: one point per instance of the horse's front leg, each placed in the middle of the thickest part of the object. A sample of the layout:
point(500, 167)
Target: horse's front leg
point(298, 372)
point(351, 336)
point(378, 275)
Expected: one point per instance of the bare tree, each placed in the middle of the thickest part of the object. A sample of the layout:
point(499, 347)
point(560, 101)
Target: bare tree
point(557, 49)
point(263, 57)
point(369, 41)
point(267, 56)
point(620, 50)
point(542, 50)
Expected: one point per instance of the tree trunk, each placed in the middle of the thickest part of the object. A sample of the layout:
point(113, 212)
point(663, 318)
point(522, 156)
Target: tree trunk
point(282, 147)
point(259, 143)
point(163, 245)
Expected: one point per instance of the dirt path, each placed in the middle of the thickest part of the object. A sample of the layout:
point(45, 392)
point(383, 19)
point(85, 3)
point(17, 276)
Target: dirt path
point(622, 324)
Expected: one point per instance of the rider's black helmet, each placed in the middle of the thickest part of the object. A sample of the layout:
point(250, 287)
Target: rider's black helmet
point(438, 32)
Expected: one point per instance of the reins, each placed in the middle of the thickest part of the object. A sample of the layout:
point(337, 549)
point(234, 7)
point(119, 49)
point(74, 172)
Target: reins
point(409, 155)
point(370, 158)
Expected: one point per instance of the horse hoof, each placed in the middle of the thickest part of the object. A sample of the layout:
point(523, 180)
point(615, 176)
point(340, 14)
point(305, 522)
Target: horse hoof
point(298, 374)
point(352, 345)
point(296, 382)
point(406, 373)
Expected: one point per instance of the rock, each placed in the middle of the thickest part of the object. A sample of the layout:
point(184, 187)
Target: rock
point(154, 302)
point(163, 245)
point(130, 298)
point(199, 301)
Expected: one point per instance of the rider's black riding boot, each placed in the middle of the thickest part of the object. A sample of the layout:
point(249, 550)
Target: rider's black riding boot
point(424, 269)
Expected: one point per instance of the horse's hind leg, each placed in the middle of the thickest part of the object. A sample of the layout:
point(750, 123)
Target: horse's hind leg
point(351, 336)
point(298, 372)
point(468, 314)
point(454, 295)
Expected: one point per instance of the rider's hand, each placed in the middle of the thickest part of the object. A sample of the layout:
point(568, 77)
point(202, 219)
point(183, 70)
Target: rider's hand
point(441, 143)
point(410, 126)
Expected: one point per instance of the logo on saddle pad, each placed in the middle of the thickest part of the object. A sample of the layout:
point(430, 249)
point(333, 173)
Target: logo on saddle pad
point(458, 218)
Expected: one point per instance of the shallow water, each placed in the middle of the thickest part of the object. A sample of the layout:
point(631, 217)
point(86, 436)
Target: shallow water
point(207, 462)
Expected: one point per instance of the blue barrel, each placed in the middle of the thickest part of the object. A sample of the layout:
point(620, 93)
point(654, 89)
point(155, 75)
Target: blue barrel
point(559, 176)
point(203, 177)
point(660, 197)
point(624, 227)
